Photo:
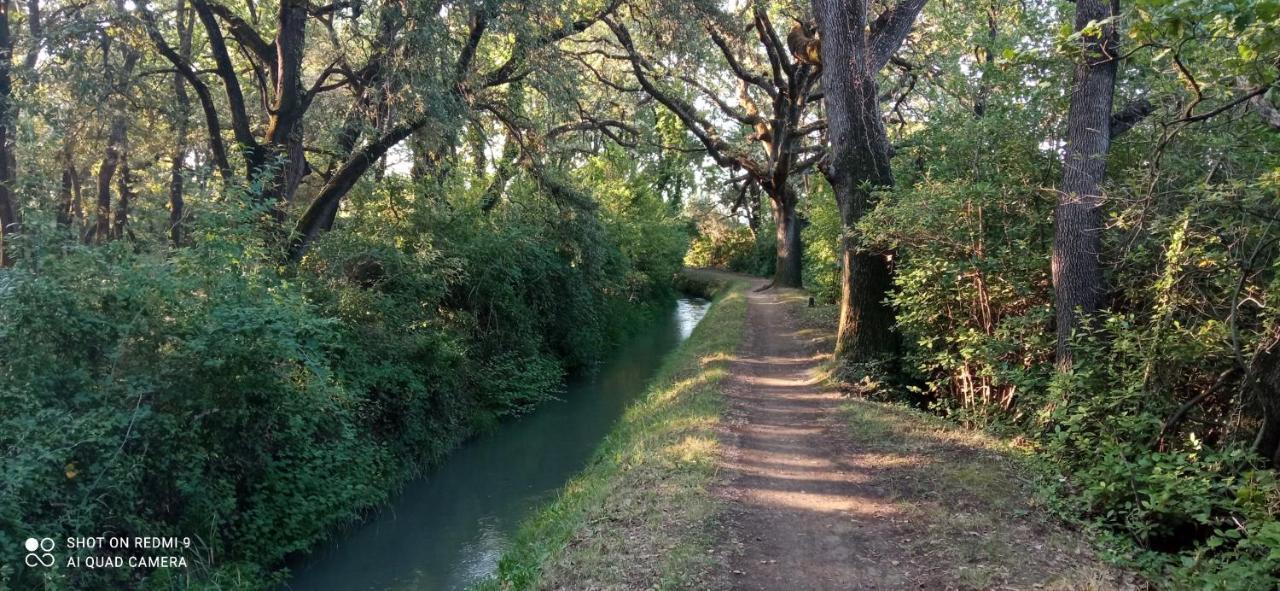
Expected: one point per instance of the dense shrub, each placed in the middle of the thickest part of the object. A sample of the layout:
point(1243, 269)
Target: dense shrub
point(821, 238)
point(728, 249)
point(723, 242)
point(210, 392)
point(1155, 427)
point(973, 292)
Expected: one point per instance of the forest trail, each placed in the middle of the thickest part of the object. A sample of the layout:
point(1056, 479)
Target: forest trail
point(826, 493)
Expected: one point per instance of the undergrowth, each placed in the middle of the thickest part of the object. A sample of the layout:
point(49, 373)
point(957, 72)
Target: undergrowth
point(211, 393)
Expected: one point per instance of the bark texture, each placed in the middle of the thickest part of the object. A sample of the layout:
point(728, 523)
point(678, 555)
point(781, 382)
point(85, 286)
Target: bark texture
point(101, 229)
point(1077, 234)
point(858, 164)
point(124, 190)
point(284, 127)
point(183, 103)
point(9, 222)
point(790, 253)
point(319, 215)
point(68, 215)
point(1263, 382)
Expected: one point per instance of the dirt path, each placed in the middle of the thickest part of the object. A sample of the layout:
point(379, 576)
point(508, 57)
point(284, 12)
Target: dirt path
point(823, 493)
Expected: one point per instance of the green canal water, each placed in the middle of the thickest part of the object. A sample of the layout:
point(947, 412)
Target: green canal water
point(448, 529)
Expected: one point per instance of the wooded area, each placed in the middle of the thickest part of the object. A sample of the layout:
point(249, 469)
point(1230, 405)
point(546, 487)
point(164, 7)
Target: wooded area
point(261, 261)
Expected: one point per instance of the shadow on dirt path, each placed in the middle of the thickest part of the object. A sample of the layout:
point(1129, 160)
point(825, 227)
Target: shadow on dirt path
point(826, 493)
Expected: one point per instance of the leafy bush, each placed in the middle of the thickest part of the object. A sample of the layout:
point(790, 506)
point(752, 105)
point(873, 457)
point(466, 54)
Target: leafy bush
point(723, 242)
point(1155, 426)
point(821, 239)
point(210, 392)
point(732, 249)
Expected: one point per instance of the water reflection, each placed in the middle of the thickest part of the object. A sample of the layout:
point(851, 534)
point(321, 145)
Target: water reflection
point(689, 311)
point(448, 529)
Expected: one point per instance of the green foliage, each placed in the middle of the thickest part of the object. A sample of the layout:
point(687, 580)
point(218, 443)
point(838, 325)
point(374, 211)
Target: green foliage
point(723, 242)
point(1154, 427)
point(208, 392)
point(731, 248)
point(185, 398)
point(821, 239)
point(719, 241)
point(972, 279)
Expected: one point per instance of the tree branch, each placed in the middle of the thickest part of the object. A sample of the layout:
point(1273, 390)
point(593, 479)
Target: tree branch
point(736, 66)
point(744, 118)
point(310, 225)
point(212, 124)
point(245, 34)
point(235, 96)
point(507, 71)
point(719, 150)
point(772, 46)
point(479, 21)
point(1130, 115)
point(1259, 91)
point(890, 29)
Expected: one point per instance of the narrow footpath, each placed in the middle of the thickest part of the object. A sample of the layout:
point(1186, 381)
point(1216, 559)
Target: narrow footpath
point(826, 493)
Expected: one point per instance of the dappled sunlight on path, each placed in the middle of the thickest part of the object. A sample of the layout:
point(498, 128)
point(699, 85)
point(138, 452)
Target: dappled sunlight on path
point(812, 504)
point(794, 495)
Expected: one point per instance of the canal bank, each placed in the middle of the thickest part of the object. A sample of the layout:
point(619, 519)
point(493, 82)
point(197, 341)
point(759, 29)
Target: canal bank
point(638, 514)
point(447, 529)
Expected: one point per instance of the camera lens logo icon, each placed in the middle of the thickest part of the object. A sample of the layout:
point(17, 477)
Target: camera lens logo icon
point(39, 552)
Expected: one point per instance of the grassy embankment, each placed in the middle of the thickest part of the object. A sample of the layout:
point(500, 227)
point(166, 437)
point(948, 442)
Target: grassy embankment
point(640, 514)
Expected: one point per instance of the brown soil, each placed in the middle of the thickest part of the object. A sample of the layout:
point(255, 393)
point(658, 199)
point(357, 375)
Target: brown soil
point(827, 493)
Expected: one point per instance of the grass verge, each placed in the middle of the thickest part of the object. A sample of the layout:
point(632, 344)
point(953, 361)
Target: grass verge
point(639, 515)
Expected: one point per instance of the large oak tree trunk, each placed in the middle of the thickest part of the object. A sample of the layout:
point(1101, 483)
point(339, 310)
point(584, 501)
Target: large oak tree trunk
point(859, 161)
point(1077, 235)
point(865, 331)
point(787, 272)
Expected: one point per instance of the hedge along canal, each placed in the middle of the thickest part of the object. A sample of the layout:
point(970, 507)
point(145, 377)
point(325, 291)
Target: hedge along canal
point(448, 529)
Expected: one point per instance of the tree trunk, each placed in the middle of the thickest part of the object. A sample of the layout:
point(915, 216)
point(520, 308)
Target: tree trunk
point(859, 159)
point(787, 272)
point(284, 129)
point(1263, 382)
point(101, 230)
point(242, 129)
point(69, 214)
point(865, 331)
point(124, 191)
point(9, 222)
point(753, 206)
point(176, 202)
point(320, 213)
point(1077, 231)
point(66, 196)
